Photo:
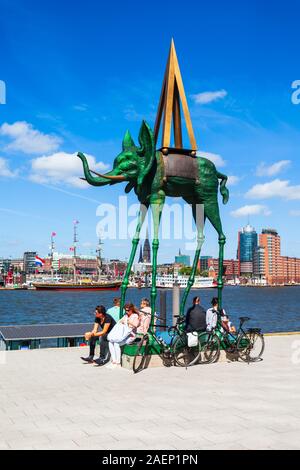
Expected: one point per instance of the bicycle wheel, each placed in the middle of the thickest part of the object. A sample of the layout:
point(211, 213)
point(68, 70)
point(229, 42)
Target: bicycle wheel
point(141, 354)
point(209, 348)
point(251, 346)
point(184, 356)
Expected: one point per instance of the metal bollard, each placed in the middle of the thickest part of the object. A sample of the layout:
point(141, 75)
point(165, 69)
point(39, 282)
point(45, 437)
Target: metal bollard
point(176, 301)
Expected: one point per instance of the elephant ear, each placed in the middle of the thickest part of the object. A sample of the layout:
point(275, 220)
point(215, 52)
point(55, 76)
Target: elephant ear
point(146, 152)
point(127, 141)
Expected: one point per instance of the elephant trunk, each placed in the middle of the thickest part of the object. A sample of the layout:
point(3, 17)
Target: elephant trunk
point(99, 180)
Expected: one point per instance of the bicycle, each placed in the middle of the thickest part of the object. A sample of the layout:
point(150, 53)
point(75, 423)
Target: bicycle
point(248, 345)
point(176, 353)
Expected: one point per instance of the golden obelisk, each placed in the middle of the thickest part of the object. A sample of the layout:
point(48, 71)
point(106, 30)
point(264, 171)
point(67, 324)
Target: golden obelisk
point(172, 94)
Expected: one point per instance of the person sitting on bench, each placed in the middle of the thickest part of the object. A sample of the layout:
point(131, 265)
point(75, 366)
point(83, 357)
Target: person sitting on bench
point(115, 310)
point(144, 317)
point(195, 319)
point(123, 333)
point(106, 323)
point(212, 318)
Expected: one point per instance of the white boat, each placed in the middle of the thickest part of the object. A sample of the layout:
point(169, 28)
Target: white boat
point(167, 281)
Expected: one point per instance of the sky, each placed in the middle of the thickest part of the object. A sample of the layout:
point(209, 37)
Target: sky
point(78, 74)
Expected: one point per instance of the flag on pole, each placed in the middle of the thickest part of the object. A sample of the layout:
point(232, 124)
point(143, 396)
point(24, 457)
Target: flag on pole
point(39, 261)
point(72, 248)
point(53, 234)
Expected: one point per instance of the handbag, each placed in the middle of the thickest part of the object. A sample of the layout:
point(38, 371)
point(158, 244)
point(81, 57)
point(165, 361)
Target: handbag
point(119, 332)
point(192, 339)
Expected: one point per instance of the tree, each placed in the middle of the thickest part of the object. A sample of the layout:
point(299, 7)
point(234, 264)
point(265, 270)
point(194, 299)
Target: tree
point(186, 271)
point(204, 273)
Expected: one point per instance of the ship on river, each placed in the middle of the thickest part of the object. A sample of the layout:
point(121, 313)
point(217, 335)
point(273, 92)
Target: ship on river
point(58, 284)
point(82, 286)
point(167, 281)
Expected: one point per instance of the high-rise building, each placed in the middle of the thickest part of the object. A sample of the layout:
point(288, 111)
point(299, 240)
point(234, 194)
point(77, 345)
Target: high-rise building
point(259, 266)
point(29, 262)
point(247, 242)
point(203, 263)
point(182, 259)
point(270, 240)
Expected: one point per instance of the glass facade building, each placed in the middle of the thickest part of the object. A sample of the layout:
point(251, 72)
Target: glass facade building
point(183, 259)
point(248, 243)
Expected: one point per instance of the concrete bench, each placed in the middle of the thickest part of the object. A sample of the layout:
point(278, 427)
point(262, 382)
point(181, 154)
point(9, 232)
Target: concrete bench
point(154, 359)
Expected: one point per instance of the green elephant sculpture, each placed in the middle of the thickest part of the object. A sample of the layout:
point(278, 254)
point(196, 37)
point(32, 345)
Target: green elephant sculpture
point(154, 175)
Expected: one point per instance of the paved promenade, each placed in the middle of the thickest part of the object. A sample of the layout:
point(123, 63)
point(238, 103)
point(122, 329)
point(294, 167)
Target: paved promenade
point(50, 400)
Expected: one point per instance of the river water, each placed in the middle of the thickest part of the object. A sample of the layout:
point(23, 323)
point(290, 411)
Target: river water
point(271, 308)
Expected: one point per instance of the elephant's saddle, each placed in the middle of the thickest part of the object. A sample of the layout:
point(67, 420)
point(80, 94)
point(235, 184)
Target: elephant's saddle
point(184, 166)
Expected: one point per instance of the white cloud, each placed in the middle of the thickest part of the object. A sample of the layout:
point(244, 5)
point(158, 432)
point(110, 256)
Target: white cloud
point(232, 180)
point(62, 167)
point(255, 209)
point(272, 170)
point(5, 171)
point(131, 114)
point(26, 139)
point(80, 107)
point(275, 188)
point(213, 157)
point(294, 213)
point(209, 96)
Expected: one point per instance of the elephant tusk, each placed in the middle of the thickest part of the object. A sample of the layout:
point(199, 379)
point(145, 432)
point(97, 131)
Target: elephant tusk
point(110, 177)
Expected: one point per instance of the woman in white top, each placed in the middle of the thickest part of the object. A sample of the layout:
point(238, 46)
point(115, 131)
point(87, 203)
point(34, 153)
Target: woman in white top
point(212, 318)
point(126, 335)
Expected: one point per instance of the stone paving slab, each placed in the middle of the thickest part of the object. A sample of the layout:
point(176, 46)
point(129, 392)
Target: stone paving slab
point(50, 400)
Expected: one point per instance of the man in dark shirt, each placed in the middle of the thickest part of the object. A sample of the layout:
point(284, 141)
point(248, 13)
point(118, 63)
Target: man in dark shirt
point(195, 319)
point(106, 324)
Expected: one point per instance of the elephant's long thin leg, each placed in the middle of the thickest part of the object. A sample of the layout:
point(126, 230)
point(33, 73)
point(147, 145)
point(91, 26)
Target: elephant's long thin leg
point(222, 241)
point(198, 215)
point(135, 242)
point(211, 210)
point(157, 204)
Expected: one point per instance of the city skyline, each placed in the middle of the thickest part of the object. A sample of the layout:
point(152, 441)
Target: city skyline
point(144, 252)
point(259, 261)
point(58, 103)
